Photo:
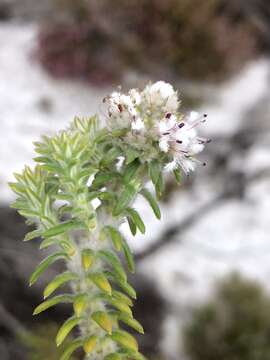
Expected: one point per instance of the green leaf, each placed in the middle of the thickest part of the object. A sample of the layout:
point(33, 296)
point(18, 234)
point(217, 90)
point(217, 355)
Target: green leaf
point(47, 242)
point(132, 226)
point(177, 175)
point(118, 304)
point(102, 178)
point(114, 261)
point(160, 187)
point(87, 258)
point(80, 303)
point(103, 320)
point(152, 202)
point(66, 298)
point(131, 170)
point(90, 343)
point(125, 340)
point(154, 171)
point(66, 328)
point(128, 256)
point(113, 356)
point(101, 281)
point(131, 154)
point(111, 156)
point(119, 132)
point(58, 281)
point(74, 345)
point(124, 199)
point(62, 228)
point(133, 323)
point(45, 264)
point(33, 234)
point(134, 355)
point(136, 218)
point(118, 295)
point(125, 286)
point(115, 236)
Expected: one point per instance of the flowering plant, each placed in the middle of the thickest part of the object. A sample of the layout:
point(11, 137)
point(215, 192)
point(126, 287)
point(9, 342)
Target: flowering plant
point(83, 188)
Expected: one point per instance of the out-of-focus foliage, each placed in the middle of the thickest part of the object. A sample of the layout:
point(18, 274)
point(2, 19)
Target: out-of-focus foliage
point(99, 40)
point(41, 343)
point(235, 325)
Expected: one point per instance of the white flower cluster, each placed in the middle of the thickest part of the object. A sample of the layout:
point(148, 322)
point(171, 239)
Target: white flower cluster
point(152, 116)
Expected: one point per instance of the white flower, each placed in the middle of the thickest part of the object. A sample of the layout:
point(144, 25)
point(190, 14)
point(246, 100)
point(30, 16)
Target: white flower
point(171, 166)
point(135, 96)
point(167, 124)
point(137, 124)
point(187, 165)
point(152, 119)
point(162, 94)
point(164, 144)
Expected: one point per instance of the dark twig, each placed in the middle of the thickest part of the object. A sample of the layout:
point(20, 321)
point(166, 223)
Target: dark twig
point(173, 233)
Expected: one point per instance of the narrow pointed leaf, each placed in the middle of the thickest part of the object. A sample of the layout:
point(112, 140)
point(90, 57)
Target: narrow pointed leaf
point(89, 344)
point(101, 281)
point(118, 295)
point(113, 356)
point(103, 320)
point(125, 286)
point(33, 234)
point(114, 261)
point(45, 264)
point(58, 281)
point(125, 340)
point(133, 323)
point(80, 303)
point(154, 171)
point(67, 298)
point(160, 187)
point(130, 354)
point(74, 345)
point(87, 258)
point(62, 228)
point(136, 219)
point(66, 328)
point(118, 304)
point(124, 199)
point(115, 236)
point(177, 175)
point(131, 170)
point(152, 202)
point(132, 226)
point(111, 156)
point(128, 256)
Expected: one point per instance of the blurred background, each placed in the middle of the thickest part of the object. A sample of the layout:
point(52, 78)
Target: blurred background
point(203, 271)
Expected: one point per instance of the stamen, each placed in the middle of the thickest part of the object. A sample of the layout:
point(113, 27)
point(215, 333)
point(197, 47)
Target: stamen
point(201, 119)
point(120, 107)
point(166, 133)
point(204, 141)
point(168, 115)
point(179, 141)
point(181, 125)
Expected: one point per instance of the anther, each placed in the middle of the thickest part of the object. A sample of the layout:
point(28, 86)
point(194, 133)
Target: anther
point(168, 115)
point(181, 125)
